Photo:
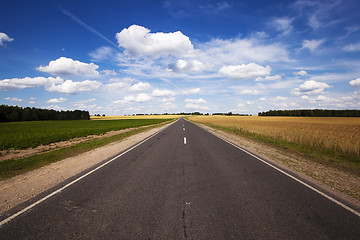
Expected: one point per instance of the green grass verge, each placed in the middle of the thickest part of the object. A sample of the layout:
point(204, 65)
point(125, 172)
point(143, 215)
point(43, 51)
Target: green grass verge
point(331, 158)
point(23, 135)
point(11, 168)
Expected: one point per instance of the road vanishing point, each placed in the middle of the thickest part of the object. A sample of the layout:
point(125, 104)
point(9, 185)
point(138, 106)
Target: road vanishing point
point(182, 183)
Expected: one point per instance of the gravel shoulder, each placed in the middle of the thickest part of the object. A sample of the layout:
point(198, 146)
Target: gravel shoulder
point(23, 187)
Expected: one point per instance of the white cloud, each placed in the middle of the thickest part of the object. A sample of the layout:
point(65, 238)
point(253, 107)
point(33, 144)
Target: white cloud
point(56, 100)
point(245, 71)
point(251, 92)
point(27, 82)
point(118, 83)
point(268, 78)
point(312, 45)
point(282, 24)
point(352, 47)
point(181, 66)
point(220, 52)
point(137, 41)
point(109, 72)
point(196, 106)
point(140, 86)
point(142, 97)
point(191, 91)
point(310, 87)
point(195, 101)
point(70, 87)
point(301, 73)
point(355, 83)
point(102, 53)
point(162, 93)
point(67, 66)
point(14, 99)
point(4, 38)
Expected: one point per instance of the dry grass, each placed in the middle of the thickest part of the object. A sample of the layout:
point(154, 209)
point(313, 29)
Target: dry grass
point(338, 135)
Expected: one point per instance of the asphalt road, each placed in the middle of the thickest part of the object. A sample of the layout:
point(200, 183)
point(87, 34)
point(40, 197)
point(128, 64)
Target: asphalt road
point(185, 183)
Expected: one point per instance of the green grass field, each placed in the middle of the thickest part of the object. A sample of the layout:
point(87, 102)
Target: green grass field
point(22, 135)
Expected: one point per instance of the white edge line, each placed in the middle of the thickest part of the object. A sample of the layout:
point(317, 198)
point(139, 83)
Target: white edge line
point(291, 176)
point(76, 180)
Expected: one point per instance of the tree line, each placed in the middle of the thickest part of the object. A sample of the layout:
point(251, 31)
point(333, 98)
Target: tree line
point(312, 113)
point(15, 113)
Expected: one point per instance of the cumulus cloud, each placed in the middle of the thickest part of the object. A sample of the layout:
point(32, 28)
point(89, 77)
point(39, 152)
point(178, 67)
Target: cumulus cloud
point(181, 66)
point(137, 41)
point(66, 66)
point(268, 78)
point(355, 83)
point(245, 71)
point(4, 38)
point(70, 87)
point(14, 99)
point(109, 72)
point(301, 73)
point(141, 97)
point(251, 92)
point(310, 87)
point(191, 91)
point(162, 93)
point(195, 101)
point(140, 86)
point(56, 100)
point(102, 53)
point(27, 82)
point(118, 83)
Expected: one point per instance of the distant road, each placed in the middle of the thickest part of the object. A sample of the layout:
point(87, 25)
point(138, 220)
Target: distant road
point(185, 183)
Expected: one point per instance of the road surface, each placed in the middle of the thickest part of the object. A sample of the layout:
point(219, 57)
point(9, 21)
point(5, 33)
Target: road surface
point(184, 183)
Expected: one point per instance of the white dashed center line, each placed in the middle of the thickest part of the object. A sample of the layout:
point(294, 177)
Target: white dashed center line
point(184, 140)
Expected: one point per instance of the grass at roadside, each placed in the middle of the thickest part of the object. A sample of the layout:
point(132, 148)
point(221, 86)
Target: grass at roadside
point(331, 141)
point(22, 135)
point(11, 168)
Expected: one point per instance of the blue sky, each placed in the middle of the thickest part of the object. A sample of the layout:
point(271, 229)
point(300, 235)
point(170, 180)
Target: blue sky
point(126, 57)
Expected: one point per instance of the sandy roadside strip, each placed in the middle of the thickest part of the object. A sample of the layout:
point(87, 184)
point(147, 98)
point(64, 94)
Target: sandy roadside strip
point(21, 188)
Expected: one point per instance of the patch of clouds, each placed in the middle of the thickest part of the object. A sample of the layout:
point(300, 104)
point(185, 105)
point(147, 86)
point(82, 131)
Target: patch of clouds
point(109, 72)
point(268, 78)
point(352, 47)
point(282, 25)
point(310, 87)
point(14, 99)
point(227, 52)
point(141, 86)
point(355, 83)
point(197, 101)
point(137, 41)
point(181, 66)
point(27, 82)
point(56, 100)
point(251, 92)
point(162, 93)
point(4, 38)
point(140, 98)
point(312, 45)
point(71, 87)
point(191, 91)
point(245, 71)
point(66, 66)
point(102, 53)
point(118, 83)
point(300, 73)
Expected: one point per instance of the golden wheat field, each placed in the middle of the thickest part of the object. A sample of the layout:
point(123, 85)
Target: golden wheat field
point(337, 134)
